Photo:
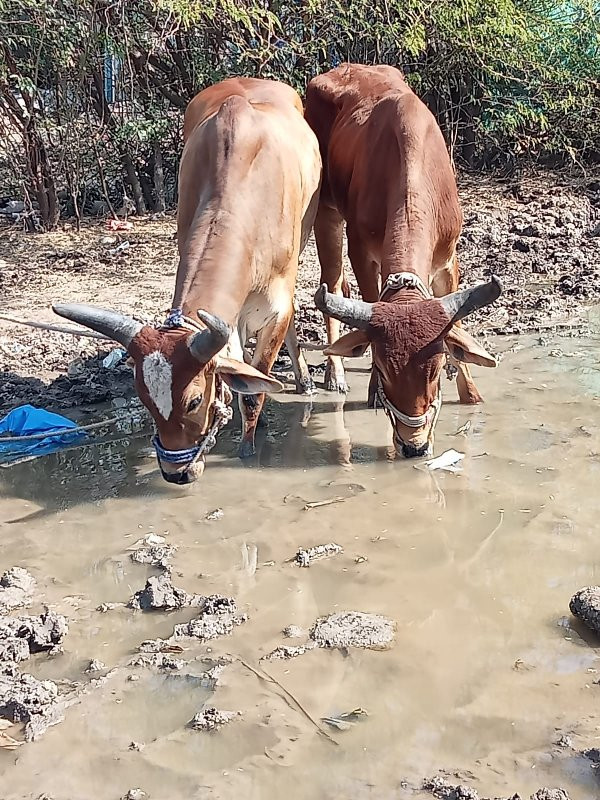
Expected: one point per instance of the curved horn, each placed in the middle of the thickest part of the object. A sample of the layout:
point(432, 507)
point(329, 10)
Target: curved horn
point(206, 344)
point(355, 313)
point(117, 326)
point(458, 304)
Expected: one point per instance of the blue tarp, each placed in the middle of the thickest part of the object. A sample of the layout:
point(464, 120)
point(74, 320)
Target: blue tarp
point(26, 421)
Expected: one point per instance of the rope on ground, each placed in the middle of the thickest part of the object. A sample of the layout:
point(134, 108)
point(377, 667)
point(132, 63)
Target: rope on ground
point(80, 446)
point(59, 432)
point(57, 328)
point(45, 326)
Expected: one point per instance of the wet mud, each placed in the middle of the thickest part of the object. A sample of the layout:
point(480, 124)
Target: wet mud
point(432, 655)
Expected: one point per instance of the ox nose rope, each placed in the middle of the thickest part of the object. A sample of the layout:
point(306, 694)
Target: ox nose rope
point(411, 421)
point(404, 280)
point(222, 412)
point(176, 319)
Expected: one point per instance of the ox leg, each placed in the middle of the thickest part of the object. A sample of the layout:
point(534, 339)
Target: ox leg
point(367, 277)
point(329, 233)
point(268, 343)
point(445, 282)
point(304, 383)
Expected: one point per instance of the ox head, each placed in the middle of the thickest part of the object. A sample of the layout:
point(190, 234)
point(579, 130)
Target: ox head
point(181, 379)
point(409, 342)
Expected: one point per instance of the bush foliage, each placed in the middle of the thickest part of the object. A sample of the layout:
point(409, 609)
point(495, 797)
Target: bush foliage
point(92, 91)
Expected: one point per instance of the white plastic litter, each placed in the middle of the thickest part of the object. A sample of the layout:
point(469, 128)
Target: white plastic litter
point(113, 358)
point(447, 461)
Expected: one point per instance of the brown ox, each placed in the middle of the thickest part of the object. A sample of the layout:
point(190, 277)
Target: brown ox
point(387, 173)
point(248, 191)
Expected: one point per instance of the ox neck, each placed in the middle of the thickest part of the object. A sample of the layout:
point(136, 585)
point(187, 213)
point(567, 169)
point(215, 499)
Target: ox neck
point(215, 268)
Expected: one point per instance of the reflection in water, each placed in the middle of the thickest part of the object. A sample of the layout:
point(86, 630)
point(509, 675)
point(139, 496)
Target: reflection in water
point(477, 568)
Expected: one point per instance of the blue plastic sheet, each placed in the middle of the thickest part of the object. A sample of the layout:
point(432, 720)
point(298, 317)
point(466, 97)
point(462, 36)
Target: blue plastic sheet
point(27, 421)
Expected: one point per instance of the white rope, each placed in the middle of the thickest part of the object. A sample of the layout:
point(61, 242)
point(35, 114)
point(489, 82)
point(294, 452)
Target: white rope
point(404, 280)
point(58, 328)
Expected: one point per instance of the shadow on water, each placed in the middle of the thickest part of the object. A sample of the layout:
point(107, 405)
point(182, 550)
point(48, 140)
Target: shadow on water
point(300, 434)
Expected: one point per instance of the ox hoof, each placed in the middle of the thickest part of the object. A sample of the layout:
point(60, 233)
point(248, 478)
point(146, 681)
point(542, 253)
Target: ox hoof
point(471, 399)
point(246, 449)
point(306, 387)
point(341, 387)
point(333, 383)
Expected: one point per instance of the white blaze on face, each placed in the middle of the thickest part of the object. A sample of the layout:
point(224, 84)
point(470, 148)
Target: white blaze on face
point(158, 377)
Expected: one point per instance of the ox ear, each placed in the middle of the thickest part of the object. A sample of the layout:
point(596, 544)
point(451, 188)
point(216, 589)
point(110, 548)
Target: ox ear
point(463, 347)
point(246, 379)
point(350, 345)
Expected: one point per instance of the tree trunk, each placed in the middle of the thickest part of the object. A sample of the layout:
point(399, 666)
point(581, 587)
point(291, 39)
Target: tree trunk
point(134, 183)
point(41, 177)
point(159, 179)
point(146, 185)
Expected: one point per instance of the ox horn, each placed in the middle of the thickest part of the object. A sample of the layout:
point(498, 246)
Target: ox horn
point(116, 326)
point(207, 344)
point(458, 304)
point(355, 313)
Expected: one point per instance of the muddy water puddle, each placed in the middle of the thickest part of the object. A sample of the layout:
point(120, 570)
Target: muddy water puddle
point(476, 568)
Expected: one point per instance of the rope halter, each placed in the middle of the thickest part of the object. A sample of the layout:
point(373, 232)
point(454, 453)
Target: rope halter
point(394, 282)
point(222, 411)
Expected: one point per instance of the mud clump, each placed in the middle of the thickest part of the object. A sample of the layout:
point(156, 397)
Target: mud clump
point(354, 629)
point(36, 633)
point(13, 649)
point(161, 660)
point(210, 719)
point(215, 604)
point(135, 794)
point(158, 555)
point(285, 652)
point(209, 627)
point(219, 616)
point(95, 666)
point(17, 587)
point(22, 696)
point(443, 790)
point(159, 646)
point(585, 604)
point(160, 594)
point(593, 755)
point(305, 556)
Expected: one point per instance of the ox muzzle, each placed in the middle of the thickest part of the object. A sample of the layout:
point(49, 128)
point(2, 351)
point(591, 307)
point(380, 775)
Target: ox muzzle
point(183, 467)
point(401, 422)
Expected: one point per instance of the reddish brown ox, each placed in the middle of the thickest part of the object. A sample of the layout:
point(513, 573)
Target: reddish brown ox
point(387, 174)
point(248, 191)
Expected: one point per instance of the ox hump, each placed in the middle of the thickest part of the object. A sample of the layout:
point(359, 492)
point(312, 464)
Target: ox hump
point(158, 377)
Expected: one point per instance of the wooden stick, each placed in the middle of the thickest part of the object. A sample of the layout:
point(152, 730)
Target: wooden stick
point(58, 328)
point(264, 676)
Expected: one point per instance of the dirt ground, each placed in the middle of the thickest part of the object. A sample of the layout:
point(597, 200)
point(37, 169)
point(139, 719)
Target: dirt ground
point(540, 234)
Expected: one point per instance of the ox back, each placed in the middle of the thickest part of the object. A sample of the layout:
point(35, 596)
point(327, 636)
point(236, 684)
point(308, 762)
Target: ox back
point(387, 174)
point(249, 181)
